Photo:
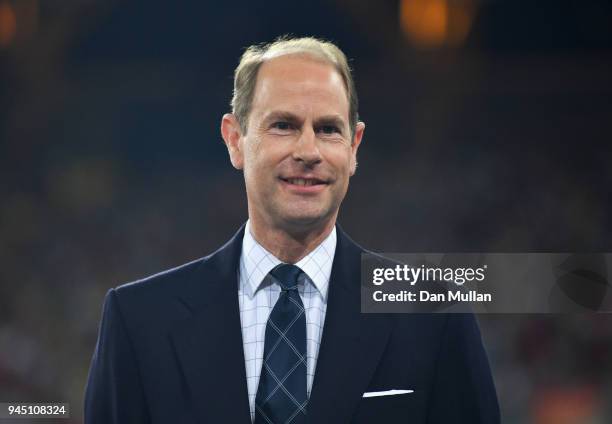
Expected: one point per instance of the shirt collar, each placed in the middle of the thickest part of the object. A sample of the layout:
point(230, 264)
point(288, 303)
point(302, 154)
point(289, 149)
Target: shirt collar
point(256, 262)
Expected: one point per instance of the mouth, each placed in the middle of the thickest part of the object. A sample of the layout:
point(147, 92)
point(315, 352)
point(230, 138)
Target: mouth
point(303, 184)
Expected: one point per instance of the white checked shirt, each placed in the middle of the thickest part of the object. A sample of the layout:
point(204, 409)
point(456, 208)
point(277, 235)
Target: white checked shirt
point(257, 296)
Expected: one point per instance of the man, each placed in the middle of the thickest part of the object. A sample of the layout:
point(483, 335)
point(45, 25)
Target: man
point(268, 329)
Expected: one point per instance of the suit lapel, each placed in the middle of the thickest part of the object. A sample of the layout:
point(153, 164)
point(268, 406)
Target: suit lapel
point(352, 343)
point(208, 344)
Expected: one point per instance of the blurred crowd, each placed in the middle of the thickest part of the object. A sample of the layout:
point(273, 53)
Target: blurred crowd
point(112, 167)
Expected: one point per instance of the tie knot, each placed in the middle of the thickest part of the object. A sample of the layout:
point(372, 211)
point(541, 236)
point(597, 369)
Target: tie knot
point(286, 275)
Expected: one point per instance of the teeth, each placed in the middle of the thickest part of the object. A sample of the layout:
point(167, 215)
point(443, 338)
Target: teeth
point(301, 181)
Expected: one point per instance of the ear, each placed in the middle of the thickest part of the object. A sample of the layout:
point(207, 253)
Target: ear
point(230, 131)
point(359, 129)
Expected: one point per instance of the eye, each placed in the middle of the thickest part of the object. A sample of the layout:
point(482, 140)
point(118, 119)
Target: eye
point(329, 129)
point(281, 125)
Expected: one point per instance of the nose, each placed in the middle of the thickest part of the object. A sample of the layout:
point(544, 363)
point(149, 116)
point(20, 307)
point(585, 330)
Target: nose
point(306, 149)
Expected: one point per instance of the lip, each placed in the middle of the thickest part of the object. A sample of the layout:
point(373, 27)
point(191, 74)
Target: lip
point(303, 189)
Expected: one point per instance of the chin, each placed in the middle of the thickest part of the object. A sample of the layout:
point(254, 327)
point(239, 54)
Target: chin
point(304, 219)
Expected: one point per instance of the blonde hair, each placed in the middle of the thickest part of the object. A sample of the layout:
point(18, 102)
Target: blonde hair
point(245, 75)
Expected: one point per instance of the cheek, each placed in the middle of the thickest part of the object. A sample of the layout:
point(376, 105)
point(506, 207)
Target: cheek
point(341, 161)
point(258, 170)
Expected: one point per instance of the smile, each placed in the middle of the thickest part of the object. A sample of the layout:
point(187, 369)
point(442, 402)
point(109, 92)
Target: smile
point(304, 185)
point(303, 181)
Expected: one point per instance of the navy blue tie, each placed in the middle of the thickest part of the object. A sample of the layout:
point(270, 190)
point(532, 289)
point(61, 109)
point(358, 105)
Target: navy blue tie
point(281, 395)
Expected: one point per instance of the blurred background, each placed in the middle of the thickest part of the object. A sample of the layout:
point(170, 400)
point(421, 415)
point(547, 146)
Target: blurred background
point(488, 129)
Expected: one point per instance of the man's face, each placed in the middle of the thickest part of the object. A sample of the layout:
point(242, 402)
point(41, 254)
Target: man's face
point(297, 155)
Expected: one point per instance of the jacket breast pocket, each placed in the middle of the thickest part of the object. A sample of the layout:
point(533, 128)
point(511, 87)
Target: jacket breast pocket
point(407, 408)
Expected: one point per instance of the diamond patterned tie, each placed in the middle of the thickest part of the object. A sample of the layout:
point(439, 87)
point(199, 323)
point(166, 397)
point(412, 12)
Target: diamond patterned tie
point(281, 395)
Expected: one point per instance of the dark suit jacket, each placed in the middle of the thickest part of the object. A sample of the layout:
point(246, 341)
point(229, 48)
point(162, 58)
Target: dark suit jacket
point(170, 351)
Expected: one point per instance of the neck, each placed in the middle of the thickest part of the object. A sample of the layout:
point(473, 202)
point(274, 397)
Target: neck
point(290, 245)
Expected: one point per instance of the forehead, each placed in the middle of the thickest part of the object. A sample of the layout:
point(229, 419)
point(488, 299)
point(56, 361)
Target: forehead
point(300, 83)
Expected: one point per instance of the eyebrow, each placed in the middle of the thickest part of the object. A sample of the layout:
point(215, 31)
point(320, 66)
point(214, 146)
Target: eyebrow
point(282, 116)
point(334, 120)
